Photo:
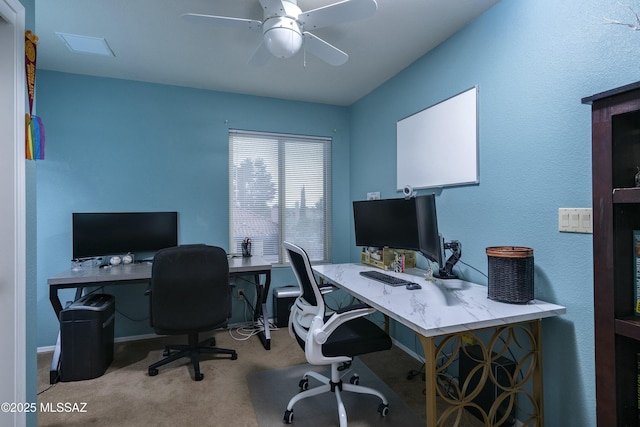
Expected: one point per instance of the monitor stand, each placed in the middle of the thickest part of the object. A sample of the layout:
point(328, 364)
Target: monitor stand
point(446, 272)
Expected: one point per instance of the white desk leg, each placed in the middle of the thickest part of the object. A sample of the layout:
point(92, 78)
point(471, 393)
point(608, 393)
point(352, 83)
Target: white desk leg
point(55, 363)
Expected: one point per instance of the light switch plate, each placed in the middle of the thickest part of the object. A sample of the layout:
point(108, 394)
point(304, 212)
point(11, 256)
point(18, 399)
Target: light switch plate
point(575, 220)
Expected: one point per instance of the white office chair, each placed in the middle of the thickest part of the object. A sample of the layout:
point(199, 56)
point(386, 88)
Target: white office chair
point(332, 339)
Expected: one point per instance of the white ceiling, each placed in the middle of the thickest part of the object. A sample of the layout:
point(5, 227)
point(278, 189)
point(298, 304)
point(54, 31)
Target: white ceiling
point(152, 43)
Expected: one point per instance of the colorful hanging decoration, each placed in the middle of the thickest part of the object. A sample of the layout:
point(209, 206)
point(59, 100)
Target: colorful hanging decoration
point(34, 130)
point(34, 133)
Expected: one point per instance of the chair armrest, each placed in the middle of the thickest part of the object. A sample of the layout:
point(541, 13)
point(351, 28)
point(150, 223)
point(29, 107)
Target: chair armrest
point(352, 307)
point(327, 289)
point(341, 316)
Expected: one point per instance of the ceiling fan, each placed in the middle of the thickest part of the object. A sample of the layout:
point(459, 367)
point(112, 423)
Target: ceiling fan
point(285, 27)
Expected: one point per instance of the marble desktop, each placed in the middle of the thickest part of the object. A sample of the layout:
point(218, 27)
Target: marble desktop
point(440, 307)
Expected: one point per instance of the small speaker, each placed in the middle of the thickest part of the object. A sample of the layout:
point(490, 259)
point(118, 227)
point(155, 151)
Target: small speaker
point(502, 370)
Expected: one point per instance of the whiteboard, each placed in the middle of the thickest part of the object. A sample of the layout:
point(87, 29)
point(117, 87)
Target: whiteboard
point(438, 146)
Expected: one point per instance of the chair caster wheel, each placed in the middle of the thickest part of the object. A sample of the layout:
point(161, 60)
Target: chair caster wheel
point(288, 417)
point(166, 352)
point(199, 376)
point(234, 356)
point(383, 409)
point(355, 380)
point(153, 372)
point(304, 384)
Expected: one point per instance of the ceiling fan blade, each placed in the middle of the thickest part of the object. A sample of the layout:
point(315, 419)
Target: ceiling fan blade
point(337, 13)
point(222, 21)
point(323, 50)
point(260, 56)
point(273, 8)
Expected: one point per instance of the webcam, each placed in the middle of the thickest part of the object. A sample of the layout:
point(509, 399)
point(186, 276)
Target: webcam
point(407, 191)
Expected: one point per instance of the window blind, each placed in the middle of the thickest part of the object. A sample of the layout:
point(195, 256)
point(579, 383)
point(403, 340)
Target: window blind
point(280, 190)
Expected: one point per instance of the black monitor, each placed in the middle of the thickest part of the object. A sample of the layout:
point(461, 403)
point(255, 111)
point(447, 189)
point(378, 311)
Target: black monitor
point(428, 235)
point(387, 222)
point(432, 245)
point(410, 224)
point(115, 233)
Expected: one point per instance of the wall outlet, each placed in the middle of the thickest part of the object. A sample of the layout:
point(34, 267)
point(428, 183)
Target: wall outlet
point(240, 294)
point(373, 195)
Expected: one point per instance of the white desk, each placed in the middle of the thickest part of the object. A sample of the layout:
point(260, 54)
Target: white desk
point(453, 310)
point(140, 273)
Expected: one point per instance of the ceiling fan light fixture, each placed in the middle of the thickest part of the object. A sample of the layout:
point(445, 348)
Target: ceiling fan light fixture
point(282, 37)
point(283, 23)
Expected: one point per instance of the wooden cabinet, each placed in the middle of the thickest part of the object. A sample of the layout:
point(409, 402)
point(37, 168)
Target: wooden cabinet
point(616, 213)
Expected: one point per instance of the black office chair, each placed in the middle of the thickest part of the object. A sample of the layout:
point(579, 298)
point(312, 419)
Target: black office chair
point(190, 293)
point(330, 339)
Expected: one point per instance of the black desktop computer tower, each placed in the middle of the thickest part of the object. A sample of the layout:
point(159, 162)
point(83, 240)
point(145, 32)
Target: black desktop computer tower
point(86, 337)
point(502, 369)
point(283, 300)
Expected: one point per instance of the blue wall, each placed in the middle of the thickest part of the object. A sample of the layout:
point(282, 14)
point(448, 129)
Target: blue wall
point(115, 145)
point(533, 62)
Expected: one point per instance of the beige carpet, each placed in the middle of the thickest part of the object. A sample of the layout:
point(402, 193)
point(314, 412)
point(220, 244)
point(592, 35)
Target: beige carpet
point(127, 396)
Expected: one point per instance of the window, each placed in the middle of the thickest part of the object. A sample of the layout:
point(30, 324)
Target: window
point(280, 189)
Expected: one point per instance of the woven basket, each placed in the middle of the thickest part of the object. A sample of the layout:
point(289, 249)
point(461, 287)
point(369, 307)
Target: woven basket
point(510, 274)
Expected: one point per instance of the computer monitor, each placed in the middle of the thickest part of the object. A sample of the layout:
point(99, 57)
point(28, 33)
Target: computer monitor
point(114, 233)
point(410, 224)
point(431, 243)
point(387, 222)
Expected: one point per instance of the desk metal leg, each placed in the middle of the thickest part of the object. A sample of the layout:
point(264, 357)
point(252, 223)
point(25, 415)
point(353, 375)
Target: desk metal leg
point(57, 308)
point(55, 363)
point(55, 301)
point(265, 336)
point(525, 338)
point(260, 312)
point(428, 345)
point(538, 395)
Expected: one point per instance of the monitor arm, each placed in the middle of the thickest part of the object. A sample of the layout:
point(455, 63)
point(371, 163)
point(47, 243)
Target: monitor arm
point(455, 247)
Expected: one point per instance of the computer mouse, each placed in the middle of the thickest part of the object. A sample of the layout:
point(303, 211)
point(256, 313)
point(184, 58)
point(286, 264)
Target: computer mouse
point(413, 286)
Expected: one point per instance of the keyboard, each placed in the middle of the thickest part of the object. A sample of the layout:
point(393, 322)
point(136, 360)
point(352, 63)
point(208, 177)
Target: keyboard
point(384, 278)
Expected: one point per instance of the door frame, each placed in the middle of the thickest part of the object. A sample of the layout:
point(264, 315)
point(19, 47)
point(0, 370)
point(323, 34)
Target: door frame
point(12, 211)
